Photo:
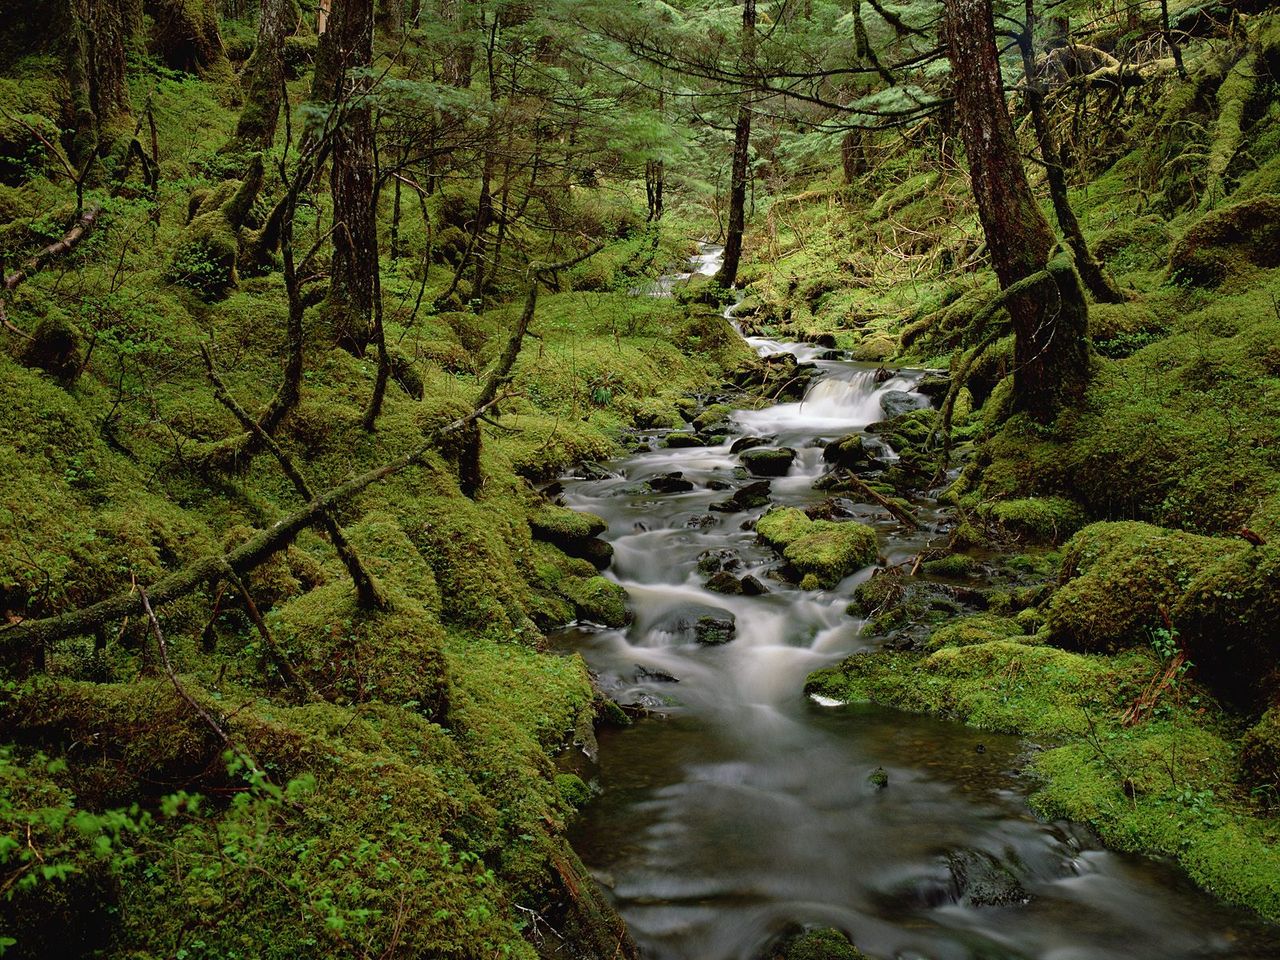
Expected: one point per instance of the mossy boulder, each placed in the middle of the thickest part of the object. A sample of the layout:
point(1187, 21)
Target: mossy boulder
point(56, 347)
point(598, 600)
point(822, 552)
point(768, 461)
point(1246, 233)
point(875, 348)
point(1121, 580)
point(1036, 519)
point(847, 452)
point(780, 527)
point(825, 943)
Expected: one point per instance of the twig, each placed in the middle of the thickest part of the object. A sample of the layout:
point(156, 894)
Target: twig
point(201, 712)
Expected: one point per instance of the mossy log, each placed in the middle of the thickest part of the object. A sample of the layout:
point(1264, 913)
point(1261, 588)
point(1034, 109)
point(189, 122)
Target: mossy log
point(26, 640)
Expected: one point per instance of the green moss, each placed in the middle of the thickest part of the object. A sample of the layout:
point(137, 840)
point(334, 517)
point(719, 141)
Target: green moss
point(1165, 788)
point(978, 628)
point(1036, 519)
point(954, 565)
point(823, 552)
point(558, 524)
point(599, 601)
point(1227, 619)
point(1260, 754)
point(1246, 233)
point(823, 944)
point(999, 685)
point(875, 348)
point(354, 655)
point(781, 527)
point(1122, 581)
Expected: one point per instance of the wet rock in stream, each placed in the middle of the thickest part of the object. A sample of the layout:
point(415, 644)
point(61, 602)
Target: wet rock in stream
point(981, 880)
point(747, 497)
point(670, 483)
point(698, 623)
point(747, 443)
point(768, 461)
point(894, 403)
point(677, 440)
point(824, 943)
point(724, 582)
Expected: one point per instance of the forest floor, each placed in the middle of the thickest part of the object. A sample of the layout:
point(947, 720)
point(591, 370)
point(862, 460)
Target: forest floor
point(405, 769)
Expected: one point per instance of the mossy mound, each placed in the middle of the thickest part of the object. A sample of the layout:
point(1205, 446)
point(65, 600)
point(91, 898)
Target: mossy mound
point(599, 601)
point(1228, 619)
point(977, 628)
point(353, 656)
point(823, 552)
point(1260, 754)
point(1000, 685)
point(1036, 519)
point(1122, 581)
point(1246, 233)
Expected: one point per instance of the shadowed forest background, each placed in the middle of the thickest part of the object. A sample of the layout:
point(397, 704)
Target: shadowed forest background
point(307, 302)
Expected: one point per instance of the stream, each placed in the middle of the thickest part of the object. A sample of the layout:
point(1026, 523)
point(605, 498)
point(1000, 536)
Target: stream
point(746, 808)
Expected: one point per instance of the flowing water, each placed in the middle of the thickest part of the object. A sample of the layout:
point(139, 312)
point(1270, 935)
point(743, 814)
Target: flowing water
point(747, 808)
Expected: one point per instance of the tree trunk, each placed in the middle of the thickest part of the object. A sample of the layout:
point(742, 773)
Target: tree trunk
point(728, 273)
point(458, 57)
point(187, 37)
point(99, 35)
point(1050, 353)
point(347, 45)
point(654, 184)
point(264, 76)
point(390, 16)
point(1096, 277)
point(853, 155)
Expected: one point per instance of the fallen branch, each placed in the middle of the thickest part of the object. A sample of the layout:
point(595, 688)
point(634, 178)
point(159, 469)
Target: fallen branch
point(70, 240)
point(35, 635)
point(192, 702)
point(875, 496)
point(367, 592)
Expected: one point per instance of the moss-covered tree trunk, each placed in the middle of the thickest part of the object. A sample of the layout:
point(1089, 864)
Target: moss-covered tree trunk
point(738, 177)
point(345, 48)
point(264, 76)
point(1095, 275)
point(1050, 353)
point(99, 35)
point(187, 37)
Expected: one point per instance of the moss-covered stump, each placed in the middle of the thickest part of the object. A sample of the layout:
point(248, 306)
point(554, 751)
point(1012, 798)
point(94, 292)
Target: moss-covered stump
point(822, 552)
point(1260, 755)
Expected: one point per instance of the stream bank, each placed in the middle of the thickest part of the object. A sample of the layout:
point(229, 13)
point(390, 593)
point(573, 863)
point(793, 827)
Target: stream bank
point(747, 809)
